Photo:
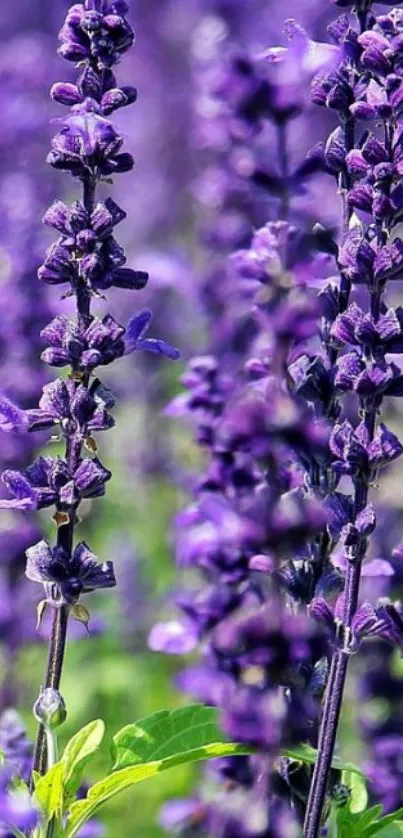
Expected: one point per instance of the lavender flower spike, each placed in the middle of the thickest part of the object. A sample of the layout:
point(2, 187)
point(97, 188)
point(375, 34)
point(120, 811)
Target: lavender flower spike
point(366, 87)
point(87, 258)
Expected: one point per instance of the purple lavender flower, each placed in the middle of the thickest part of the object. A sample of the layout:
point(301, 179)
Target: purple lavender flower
point(15, 745)
point(293, 67)
point(250, 513)
point(16, 808)
point(358, 336)
point(86, 242)
point(66, 578)
point(86, 257)
point(96, 30)
point(298, 422)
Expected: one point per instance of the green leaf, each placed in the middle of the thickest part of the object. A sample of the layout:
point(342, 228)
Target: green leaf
point(358, 787)
point(345, 821)
point(305, 753)
point(154, 744)
point(49, 792)
point(367, 818)
point(82, 810)
point(352, 819)
point(382, 823)
point(167, 733)
point(394, 830)
point(78, 753)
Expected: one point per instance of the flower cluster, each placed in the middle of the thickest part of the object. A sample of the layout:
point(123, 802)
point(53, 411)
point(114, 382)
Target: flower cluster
point(88, 258)
point(282, 517)
point(264, 668)
point(252, 511)
point(363, 330)
point(87, 248)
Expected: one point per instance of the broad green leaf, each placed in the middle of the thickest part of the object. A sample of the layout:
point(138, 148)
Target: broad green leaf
point(305, 753)
point(49, 792)
point(154, 744)
point(78, 753)
point(168, 733)
point(358, 787)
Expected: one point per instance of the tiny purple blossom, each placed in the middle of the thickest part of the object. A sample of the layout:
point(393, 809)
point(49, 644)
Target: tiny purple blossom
point(17, 810)
point(174, 637)
point(65, 579)
point(135, 337)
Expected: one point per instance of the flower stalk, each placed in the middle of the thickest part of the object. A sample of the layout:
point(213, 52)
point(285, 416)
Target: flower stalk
point(57, 647)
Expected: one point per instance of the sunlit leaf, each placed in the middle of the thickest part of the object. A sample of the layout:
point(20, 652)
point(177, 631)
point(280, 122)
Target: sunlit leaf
point(154, 744)
point(49, 792)
point(358, 788)
point(78, 753)
point(165, 734)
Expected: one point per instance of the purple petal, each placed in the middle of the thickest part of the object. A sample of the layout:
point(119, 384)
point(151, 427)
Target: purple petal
point(175, 814)
point(159, 347)
point(91, 476)
point(366, 521)
point(262, 563)
point(377, 567)
point(24, 504)
point(92, 574)
point(365, 621)
point(321, 611)
point(136, 328)
point(40, 561)
point(173, 637)
point(25, 496)
point(179, 406)
point(12, 418)
point(55, 332)
point(385, 447)
point(99, 576)
point(55, 399)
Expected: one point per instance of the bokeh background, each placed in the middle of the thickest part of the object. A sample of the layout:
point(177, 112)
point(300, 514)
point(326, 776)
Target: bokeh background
point(111, 673)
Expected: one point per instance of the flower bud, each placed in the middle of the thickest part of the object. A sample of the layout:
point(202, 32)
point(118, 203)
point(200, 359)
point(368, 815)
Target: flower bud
point(50, 709)
point(340, 795)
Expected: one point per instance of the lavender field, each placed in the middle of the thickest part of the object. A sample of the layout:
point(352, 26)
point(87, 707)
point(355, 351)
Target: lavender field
point(201, 421)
